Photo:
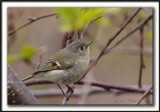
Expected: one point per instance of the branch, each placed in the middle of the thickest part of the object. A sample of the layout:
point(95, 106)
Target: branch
point(67, 36)
point(17, 91)
point(71, 37)
point(129, 34)
point(97, 84)
point(111, 39)
point(77, 92)
point(40, 60)
point(64, 41)
point(107, 86)
point(57, 92)
point(32, 19)
point(132, 51)
point(142, 66)
point(144, 95)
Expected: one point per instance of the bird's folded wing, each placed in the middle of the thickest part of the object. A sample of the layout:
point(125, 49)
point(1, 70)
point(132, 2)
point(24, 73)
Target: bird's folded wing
point(54, 65)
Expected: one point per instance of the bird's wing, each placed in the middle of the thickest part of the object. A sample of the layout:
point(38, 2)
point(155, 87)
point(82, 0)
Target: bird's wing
point(57, 63)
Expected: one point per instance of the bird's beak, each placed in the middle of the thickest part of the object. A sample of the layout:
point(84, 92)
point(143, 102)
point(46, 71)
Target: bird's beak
point(88, 44)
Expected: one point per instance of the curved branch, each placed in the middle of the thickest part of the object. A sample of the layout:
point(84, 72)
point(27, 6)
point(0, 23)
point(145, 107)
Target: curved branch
point(31, 21)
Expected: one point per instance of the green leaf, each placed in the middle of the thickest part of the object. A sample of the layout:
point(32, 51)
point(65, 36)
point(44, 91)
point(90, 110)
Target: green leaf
point(68, 14)
point(69, 17)
point(88, 15)
point(104, 22)
point(26, 55)
point(14, 58)
point(28, 52)
point(74, 19)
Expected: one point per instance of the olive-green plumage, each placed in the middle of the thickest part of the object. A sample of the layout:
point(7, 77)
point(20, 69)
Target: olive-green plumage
point(67, 65)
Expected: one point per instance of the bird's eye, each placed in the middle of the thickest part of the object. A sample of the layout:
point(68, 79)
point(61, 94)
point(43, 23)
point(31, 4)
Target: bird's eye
point(81, 48)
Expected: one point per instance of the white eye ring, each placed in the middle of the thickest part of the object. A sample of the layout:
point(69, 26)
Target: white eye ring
point(81, 48)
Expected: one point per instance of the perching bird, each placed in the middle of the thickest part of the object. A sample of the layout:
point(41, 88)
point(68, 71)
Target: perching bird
point(67, 66)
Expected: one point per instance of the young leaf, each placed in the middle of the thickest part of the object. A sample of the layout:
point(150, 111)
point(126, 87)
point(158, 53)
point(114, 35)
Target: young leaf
point(26, 55)
point(28, 52)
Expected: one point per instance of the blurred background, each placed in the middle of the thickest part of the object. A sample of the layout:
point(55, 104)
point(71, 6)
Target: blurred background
point(119, 67)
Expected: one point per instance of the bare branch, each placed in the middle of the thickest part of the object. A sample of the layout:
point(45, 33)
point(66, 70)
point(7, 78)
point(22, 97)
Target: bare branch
point(132, 51)
point(111, 39)
point(97, 84)
point(129, 34)
point(78, 92)
point(32, 19)
point(40, 60)
point(141, 59)
point(144, 95)
point(64, 41)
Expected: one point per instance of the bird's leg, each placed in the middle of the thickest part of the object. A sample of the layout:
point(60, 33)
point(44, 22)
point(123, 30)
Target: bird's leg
point(61, 89)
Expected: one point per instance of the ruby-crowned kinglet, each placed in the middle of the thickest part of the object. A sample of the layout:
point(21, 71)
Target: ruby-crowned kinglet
point(67, 66)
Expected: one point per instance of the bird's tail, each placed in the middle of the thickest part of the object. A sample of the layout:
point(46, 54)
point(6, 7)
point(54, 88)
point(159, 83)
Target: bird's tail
point(29, 77)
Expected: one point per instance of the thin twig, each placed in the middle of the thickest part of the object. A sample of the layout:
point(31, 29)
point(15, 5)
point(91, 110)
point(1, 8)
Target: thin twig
point(64, 41)
point(146, 93)
point(40, 60)
point(129, 34)
point(32, 19)
point(71, 37)
point(142, 66)
point(111, 39)
point(132, 51)
point(67, 36)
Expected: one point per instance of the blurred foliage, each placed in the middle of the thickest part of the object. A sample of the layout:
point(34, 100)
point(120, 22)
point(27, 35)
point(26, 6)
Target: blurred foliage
point(150, 35)
point(75, 19)
point(143, 14)
point(26, 55)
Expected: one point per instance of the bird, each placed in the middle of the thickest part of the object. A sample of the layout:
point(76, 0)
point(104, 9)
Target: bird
point(66, 66)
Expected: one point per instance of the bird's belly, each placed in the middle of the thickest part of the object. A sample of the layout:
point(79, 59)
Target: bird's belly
point(68, 76)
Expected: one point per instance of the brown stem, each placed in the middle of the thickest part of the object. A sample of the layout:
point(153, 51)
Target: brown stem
point(111, 39)
point(141, 59)
point(31, 21)
point(144, 95)
point(97, 84)
point(40, 60)
point(64, 41)
point(129, 34)
point(71, 37)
